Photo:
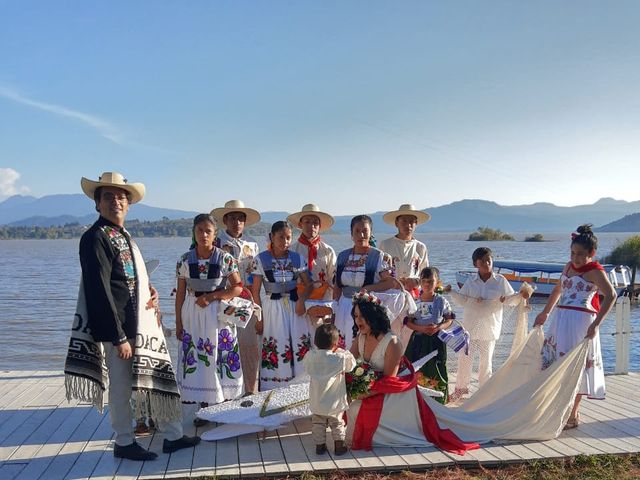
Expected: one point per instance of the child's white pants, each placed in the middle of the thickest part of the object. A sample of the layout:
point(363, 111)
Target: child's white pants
point(319, 427)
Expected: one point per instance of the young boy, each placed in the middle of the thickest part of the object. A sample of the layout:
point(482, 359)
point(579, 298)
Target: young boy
point(409, 255)
point(326, 365)
point(483, 320)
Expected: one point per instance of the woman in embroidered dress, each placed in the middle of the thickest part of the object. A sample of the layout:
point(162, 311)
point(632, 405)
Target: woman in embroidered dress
point(208, 350)
point(285, 330)
point(579, 314)
point(357, 268)
point(433, 315)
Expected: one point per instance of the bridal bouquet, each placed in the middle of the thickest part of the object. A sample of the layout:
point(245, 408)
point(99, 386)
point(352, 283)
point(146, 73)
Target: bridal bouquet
point(359, 380)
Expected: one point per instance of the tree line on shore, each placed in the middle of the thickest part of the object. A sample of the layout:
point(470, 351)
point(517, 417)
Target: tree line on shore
point(164, 227)
point(484, 234)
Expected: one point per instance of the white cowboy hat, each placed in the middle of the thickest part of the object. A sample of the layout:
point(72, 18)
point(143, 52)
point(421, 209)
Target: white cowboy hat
point(113, 179)
point(326, 220)
point(406, 209)
point(236, 206)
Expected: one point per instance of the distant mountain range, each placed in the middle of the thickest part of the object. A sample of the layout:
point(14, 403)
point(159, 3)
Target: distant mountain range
point(464, 215)
point(628, 223)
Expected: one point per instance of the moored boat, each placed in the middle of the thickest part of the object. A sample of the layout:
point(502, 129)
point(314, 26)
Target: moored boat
point(545, 275)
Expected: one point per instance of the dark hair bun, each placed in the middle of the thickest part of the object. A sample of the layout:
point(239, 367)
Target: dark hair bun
point(585, 229)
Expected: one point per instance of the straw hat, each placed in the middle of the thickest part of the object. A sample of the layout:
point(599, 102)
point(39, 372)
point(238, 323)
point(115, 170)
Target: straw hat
point(113, 179)
point(236, 206)
point(326, 220)
point(406, 209)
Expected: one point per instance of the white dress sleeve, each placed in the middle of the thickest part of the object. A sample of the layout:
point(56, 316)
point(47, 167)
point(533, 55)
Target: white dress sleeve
point(258, 269)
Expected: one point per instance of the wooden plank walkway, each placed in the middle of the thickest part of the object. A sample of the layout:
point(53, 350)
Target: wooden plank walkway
point(44, 437)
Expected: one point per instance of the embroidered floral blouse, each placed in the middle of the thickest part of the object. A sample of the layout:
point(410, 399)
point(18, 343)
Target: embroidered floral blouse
point(110, 280)
point(228, 266)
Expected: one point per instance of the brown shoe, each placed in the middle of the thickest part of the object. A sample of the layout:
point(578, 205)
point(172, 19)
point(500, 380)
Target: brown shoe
point(339, 448)
point(142, 429)
point(573, 422)
point(321, 449)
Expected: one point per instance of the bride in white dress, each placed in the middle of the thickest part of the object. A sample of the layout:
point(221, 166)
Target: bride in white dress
point(401, 417)
point(521, 402)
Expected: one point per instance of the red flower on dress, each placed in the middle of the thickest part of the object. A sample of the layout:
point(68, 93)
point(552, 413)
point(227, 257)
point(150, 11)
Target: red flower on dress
point(288, 354)
point(273, 359)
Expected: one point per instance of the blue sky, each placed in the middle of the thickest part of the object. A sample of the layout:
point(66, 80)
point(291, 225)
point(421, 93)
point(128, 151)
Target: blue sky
point(358, 106)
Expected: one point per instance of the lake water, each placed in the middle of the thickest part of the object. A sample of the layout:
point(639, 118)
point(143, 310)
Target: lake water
point(39, 284)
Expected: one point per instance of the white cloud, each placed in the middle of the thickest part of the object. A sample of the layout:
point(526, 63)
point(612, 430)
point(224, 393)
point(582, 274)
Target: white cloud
point(103, 127)
point(8, 179)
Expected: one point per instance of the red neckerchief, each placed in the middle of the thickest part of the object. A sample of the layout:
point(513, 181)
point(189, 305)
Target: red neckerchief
point(371, 410)
point(587, 267)
point(313, 249)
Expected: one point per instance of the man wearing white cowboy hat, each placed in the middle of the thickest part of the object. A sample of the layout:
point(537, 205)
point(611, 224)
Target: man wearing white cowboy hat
point(235, 217)
point(409, 255)
point(115, 296)
point(321, 258)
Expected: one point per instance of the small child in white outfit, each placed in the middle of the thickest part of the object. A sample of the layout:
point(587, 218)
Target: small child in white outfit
point(326, 365)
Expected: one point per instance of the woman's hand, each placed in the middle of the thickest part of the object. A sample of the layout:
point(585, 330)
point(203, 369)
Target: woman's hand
point(203, 301)
point(592, 330)
point(301, 309)
point(179, 330)
point(540, 319)
point(153, 301)
point(431, 329)
point(259, 327)
point(409, 283)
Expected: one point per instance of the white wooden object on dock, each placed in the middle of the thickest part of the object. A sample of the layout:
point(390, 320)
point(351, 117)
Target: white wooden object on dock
point(623, 333)
point(44, 437)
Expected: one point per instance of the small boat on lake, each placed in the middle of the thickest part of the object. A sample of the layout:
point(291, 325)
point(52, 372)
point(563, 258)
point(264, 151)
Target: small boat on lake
point(545, 275)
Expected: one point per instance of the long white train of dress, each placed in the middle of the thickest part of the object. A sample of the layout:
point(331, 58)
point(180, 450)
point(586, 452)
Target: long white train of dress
point(520, 402)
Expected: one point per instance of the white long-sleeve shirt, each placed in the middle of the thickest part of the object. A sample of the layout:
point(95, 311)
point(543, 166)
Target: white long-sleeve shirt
point(483, 320)
point(327, 387)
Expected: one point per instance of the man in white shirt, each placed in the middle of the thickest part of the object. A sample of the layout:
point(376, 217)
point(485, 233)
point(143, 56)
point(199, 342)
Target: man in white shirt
point(409, 255)
point(235, 217)
point(320, 257)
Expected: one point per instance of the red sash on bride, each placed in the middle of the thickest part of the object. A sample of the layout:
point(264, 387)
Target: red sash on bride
point(371, 410)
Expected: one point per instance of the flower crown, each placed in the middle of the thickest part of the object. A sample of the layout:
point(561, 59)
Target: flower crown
point(365, 296)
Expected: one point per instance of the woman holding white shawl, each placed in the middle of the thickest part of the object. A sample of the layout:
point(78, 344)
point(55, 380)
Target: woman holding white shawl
point(579, 314)
point(208, 350)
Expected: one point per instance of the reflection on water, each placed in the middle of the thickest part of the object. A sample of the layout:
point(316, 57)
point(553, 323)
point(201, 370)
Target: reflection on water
point(40, 283)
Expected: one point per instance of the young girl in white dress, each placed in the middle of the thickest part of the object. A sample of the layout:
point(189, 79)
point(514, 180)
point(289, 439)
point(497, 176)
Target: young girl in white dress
point(578, 314)
point(285, 329)
point(206, 351)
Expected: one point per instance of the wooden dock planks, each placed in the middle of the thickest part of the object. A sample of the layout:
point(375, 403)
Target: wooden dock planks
point(43, 437)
